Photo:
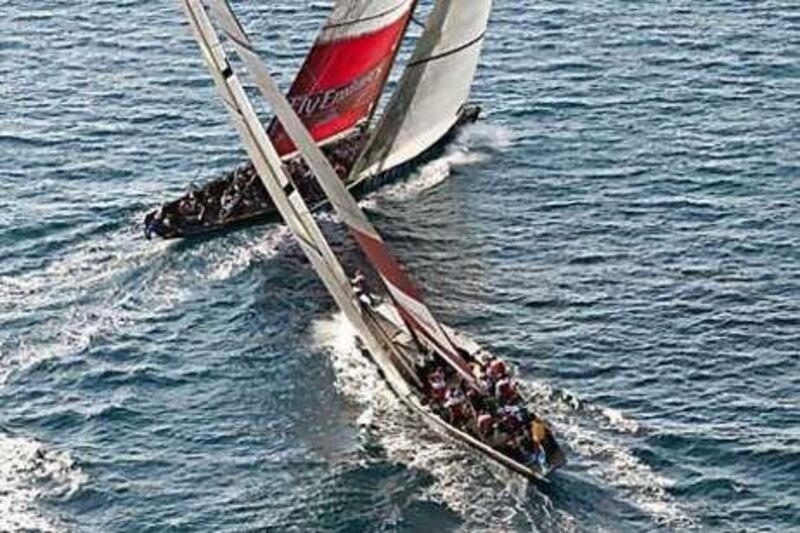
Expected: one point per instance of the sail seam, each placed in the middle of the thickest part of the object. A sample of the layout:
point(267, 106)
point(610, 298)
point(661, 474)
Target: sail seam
point(365, 19)
point(464, 46)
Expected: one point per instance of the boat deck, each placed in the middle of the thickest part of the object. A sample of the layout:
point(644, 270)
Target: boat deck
point(387, 325)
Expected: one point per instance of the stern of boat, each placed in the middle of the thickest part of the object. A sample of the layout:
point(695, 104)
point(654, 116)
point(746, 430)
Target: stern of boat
point(154, 225)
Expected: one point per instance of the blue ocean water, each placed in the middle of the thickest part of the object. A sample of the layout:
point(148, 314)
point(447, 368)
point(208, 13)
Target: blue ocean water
point(624, 225)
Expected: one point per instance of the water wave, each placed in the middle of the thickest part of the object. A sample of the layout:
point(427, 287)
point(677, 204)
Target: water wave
point(30, 471)
point(599, 439)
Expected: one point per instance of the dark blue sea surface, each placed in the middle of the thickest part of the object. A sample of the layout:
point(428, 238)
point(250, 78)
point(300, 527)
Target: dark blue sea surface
point(624, 225)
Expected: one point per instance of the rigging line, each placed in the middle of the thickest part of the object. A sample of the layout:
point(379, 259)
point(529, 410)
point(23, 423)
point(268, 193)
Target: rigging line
point(236, 20)
point(464, 46)
point(417, 22)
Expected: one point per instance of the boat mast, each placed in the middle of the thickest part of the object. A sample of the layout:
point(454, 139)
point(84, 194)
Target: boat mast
point(268, 165)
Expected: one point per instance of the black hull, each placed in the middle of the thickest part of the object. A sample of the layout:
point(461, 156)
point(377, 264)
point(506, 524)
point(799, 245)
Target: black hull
point(358, 188)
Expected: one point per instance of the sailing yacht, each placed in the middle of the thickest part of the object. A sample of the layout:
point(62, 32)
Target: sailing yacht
point(439, 373)
point(336, 94)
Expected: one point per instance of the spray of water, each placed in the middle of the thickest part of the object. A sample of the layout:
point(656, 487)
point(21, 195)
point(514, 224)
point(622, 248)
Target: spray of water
point(474, 145)
point(485, 497)
point(30, 471)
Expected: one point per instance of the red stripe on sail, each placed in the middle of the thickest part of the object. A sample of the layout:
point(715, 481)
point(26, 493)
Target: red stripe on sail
point(388, 267)
point(454, 358)
point(391, 270)
point(339, 83)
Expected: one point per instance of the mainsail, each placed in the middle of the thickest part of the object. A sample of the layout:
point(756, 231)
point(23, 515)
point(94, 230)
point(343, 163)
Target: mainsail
point(268, 164)
point(404, 293)
point(434, 87)
point(343, 75)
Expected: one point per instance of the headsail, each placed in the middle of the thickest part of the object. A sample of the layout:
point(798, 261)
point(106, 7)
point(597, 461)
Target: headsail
point(402, 290)
point(270, 170)
point(343, 75)
point(434, 87)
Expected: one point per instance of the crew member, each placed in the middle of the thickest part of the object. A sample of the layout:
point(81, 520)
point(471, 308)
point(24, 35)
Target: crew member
point(456, 404)
point(359, 283)
point(438, 386)
point(485, 425)
point(539, 435)
point(506, 390)
point(496, 369)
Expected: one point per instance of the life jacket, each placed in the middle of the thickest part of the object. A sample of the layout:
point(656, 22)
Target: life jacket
point(506, 389)
point(538, 431)
point(438, 390)
point(456, 402)
point(509, 419)
point(497, 369)
point(459, 410)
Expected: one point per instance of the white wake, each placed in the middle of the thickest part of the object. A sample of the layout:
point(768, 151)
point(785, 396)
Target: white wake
point(473, 145)
point(463, 481)
point(29, 471)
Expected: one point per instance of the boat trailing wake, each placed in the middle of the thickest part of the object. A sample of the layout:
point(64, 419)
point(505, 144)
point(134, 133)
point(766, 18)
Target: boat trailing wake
point(486, 136)
point(594, 436)
point(103, 285)
point(474, 144)
point(236, 260)
point(30, 472)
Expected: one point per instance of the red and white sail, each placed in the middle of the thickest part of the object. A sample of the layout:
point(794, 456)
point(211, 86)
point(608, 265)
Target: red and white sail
point(343, 75)
point(404, 293)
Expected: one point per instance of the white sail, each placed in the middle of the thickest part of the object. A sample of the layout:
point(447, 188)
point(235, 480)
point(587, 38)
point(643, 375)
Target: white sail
point(268, 165)
point(404, 293)
point(434, 87)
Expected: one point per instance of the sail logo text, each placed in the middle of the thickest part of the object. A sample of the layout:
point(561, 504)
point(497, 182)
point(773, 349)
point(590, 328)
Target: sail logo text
point(337, 98)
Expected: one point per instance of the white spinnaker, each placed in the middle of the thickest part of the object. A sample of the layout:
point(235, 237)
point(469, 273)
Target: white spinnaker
point(268, 165)
point(404, 294)
point(433, 88)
